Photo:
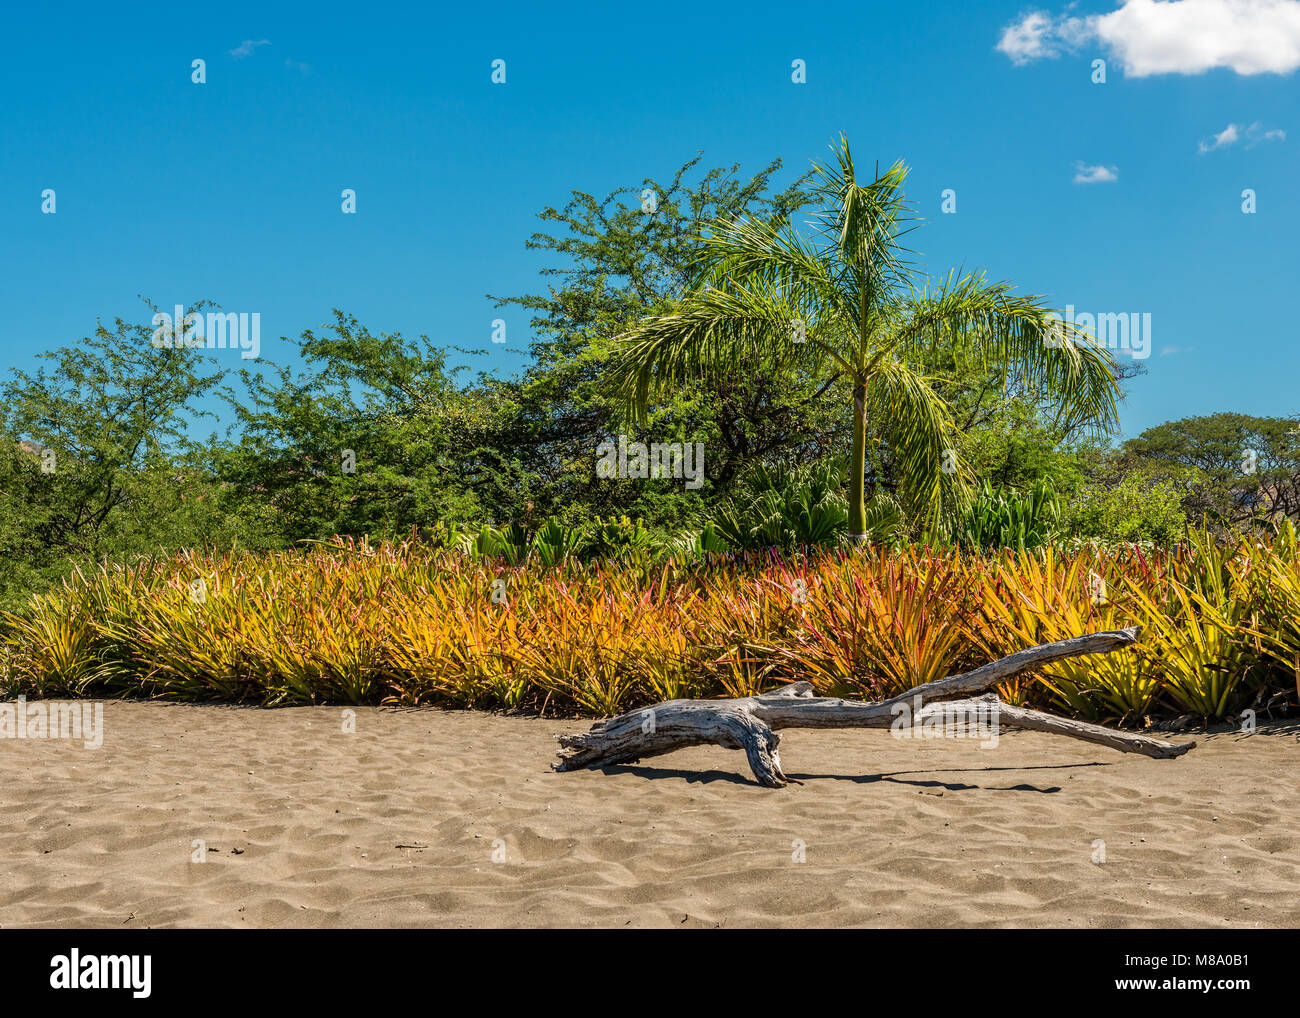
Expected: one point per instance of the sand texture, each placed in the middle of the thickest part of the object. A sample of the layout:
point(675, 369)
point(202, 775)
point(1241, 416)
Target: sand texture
point(433, 818)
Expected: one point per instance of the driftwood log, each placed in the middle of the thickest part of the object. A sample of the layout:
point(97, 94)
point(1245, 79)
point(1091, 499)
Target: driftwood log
point(751, 722)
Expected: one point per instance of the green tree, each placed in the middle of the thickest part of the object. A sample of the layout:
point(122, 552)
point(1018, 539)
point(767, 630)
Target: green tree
point(372, 436)
point(1230, 469)
point(96, 456)
point(848, 304)
point(612, 261)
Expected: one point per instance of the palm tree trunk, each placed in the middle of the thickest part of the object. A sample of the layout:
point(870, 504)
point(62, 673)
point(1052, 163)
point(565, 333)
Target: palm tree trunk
point(858, 466)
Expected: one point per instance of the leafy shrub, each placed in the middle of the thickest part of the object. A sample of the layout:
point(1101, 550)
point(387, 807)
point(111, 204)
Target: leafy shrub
point(1007, 519)
point(1136, 510)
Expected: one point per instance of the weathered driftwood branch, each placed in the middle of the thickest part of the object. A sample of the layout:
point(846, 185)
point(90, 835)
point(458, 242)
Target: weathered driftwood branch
point(750, 723)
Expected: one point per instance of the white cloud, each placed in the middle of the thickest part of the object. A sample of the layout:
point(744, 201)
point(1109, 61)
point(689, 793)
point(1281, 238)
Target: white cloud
point(1038, 35)
point(246, 47)
point(1170, 36)
point(1252, 139)
point(1228, 136)
point(1084, 174)
point(1032, 38)
point(296, 65)
point(1233, 133)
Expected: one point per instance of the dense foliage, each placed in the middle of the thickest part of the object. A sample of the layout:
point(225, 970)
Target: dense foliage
point(355, 623)
point(375, 437)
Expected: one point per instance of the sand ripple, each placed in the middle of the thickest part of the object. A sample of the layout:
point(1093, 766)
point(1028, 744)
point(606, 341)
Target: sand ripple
point(454, 819)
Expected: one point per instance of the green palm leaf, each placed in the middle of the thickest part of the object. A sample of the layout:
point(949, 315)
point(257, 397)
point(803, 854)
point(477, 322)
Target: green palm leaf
point(844, 301)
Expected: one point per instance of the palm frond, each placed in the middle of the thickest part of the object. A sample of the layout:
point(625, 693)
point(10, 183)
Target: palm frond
point(864, 223)
point(714, 332)
point(747, 250)
point(919, 432)
point(988, 325)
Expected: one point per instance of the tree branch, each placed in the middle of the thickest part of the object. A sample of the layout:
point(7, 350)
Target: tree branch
point(751, 723)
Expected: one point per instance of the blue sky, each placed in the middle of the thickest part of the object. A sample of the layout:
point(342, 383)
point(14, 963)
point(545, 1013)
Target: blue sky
point(230, 190)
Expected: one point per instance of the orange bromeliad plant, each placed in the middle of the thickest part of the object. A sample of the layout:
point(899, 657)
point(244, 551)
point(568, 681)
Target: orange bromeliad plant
point(346, 622)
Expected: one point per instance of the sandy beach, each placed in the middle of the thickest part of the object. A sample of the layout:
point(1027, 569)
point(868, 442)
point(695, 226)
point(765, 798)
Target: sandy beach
point(433, 818)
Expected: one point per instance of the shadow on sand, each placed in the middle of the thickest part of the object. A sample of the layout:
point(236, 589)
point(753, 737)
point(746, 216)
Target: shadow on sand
point(697, 777)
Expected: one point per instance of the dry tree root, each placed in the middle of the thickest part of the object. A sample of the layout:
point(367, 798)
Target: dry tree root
point(751, 722)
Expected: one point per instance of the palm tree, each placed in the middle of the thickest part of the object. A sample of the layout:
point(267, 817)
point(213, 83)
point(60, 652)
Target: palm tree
point(848, 304)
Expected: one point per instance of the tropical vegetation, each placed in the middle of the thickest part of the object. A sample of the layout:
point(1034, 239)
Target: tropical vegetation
point(478, 626)
point(903, 476)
